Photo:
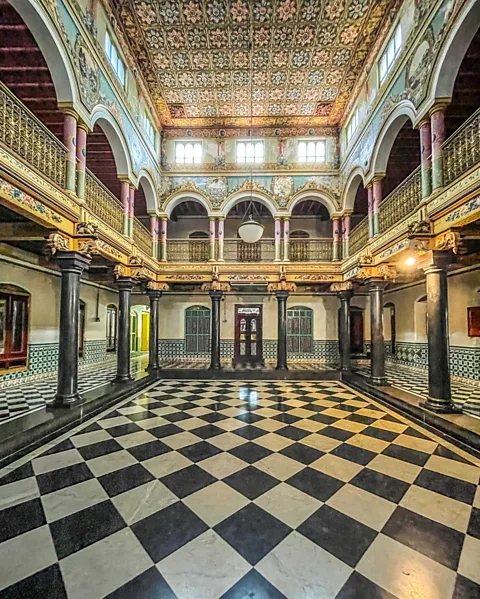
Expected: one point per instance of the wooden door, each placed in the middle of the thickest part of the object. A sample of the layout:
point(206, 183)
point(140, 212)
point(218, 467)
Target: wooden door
point(356, 331)
point(248, 346)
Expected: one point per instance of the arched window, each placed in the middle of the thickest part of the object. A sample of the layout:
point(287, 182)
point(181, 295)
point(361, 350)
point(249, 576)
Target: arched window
point(14, 308)
point(299, 330)
point(197, 330)
point(111, 328)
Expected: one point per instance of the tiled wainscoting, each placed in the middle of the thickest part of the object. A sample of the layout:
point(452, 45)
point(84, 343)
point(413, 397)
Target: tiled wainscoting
point(323, 351)
point(43, 361)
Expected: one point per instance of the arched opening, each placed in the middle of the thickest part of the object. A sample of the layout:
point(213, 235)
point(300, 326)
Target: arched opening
point(111, 327)
point(310, 219)
point(14, 316)
point(299, 330)
point(101, 160)
point(360, 205)
point(197, 330)
point(235, 248)
point(421, 319)
point(403, 159)
point(24, 70)
point(189, 217)
point(356, 330)
point(390, 326)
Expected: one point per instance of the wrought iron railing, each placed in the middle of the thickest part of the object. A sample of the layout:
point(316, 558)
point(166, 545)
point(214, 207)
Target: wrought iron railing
point(401, 201)
point(24, 134)
point(142, 237)
point(236, 250)
point(188, 250)
point(103, 203)
point(311, 250)
point(358, 237)
point(461, 150)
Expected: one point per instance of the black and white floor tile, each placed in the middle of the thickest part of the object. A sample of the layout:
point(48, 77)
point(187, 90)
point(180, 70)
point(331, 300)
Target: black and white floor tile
point(265, 490)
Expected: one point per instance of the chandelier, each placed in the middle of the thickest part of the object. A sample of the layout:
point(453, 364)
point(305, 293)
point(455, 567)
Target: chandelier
point(250, 230)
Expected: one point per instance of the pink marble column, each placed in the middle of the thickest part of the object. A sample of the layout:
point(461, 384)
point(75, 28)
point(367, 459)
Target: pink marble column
point(426, 157)
point(163, 239)
point(81, 157)
point(370, 210)
point(212, 239)
point(346, 235)
point(278, 239)
point(70, 141)
point(125, 197)
point(221, 237)
point(131, 211)
point(438, 137)
point(154, 233)
point(286, 239)
point(377, 198)
point(336, 237)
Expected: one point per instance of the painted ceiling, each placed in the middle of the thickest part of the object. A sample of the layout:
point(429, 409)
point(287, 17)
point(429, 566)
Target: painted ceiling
point(285, 62)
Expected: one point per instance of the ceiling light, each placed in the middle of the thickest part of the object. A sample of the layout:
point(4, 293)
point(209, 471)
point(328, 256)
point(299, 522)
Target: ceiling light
point(410, 261)
point(250, 231)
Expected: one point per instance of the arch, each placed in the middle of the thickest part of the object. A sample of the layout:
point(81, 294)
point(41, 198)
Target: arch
point(53, 50)
point(198, 235)
point(420, 318)
point(355, 179)
point(115, 137)
point(318, 196)
point(388, 133)
point(449, 59)
point(299, 234)
point(245, 196)
point(183, 196)
point(146, 182)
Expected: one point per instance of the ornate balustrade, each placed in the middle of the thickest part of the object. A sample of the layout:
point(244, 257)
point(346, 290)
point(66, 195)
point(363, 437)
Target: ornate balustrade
point(103, 203)
point(187, 250)
point(461, 150)
point(239, 251)
point(311, 250)
point(27, 137)
point(142, 237)
point(401, 201)
point(358, 236)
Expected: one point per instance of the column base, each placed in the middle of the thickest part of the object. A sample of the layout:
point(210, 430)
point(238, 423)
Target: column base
point(378, 380)
point(124, 378)
point(65, 401)
point(277, 260)
point(213, 367)
point(438, 406)
point(281, 367)
point(153, 369)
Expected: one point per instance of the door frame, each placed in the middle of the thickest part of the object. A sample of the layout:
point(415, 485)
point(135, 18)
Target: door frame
point(247, 359)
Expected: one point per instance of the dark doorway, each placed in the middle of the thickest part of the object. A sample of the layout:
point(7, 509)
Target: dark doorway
point(356, 330)
point(248, 349)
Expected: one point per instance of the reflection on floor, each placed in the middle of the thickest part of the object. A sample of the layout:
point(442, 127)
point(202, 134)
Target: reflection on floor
point(197, 489)
point(415, 380)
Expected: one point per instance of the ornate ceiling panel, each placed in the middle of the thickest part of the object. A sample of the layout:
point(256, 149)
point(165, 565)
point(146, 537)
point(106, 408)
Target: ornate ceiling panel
point(288, 62)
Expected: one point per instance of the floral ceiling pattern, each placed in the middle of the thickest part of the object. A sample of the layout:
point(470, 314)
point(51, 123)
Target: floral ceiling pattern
point(286, 62)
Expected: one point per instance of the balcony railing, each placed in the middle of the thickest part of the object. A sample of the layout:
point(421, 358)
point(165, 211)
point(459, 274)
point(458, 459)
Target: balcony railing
point(358, 237)
point(239, 251)
point(25, 135)
point(401, 201)
point(461, 151)
point(103, 203)
point(311, 250)
point(142, 237)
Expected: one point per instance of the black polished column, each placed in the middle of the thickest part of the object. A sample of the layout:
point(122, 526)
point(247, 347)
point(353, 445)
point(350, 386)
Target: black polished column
point(344, 332)
point(153, 365)
point(125, 286)
point(439, 392)
point(377, 367)
point(282, 297)
point(72, 264)
point(216, 296)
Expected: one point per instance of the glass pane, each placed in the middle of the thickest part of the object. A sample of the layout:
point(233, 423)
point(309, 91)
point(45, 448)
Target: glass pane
point(390, 53)
point(320, 151)
point(3, 324)
point(179, 152)
point(253, 325)
point(188, 153)
point(398, 39)
point(241, 152)
point(121, 72)
point(253, 349)
point(249, 152)
point(242, 349)
point(18, 322)
point(197, 153)
point(259, 152)
point(302, 151)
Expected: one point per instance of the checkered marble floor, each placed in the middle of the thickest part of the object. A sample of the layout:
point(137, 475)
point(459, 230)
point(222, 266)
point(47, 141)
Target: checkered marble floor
point(465, 397)
point(20, 399)
point(265, 490)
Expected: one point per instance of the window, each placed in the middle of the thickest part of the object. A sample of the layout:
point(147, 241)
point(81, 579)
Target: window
point(300, 330)
point(250, 151)
point(188, 153)
point(311, 151)
point(115, 60)
point(14, 303)
point(149, 128)
point(352, 126)
point(390, 55)
point(197, 330)
point(111, 328)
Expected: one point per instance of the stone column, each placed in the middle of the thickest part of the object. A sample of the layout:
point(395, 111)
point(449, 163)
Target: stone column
point(163, 239)
point(71, 264)
point(344, 332)
point(426, 157)
point(278, 239)
point(125, 286)
point(370, 210)
point(439, 392)
point(81, 159)
point(70, 139)
point(336, 237)
point(154, 233)
point(437, 114)
point(377, 198)
point(221, 238)
point(346, 235)
point(211, 257)
point(215, 296)
point(282, 297)
point(286, 239)
point(377, 368)
point(153, 365)
point(125, 197)
point(131, 211)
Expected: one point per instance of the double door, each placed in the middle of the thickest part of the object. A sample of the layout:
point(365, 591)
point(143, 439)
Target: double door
point(248, 346)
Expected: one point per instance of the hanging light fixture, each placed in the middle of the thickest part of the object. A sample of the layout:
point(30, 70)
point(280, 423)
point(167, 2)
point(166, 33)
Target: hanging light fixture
point(250, 230)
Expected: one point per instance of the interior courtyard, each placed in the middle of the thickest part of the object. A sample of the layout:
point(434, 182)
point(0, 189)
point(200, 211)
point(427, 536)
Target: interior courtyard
point(240, 299)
